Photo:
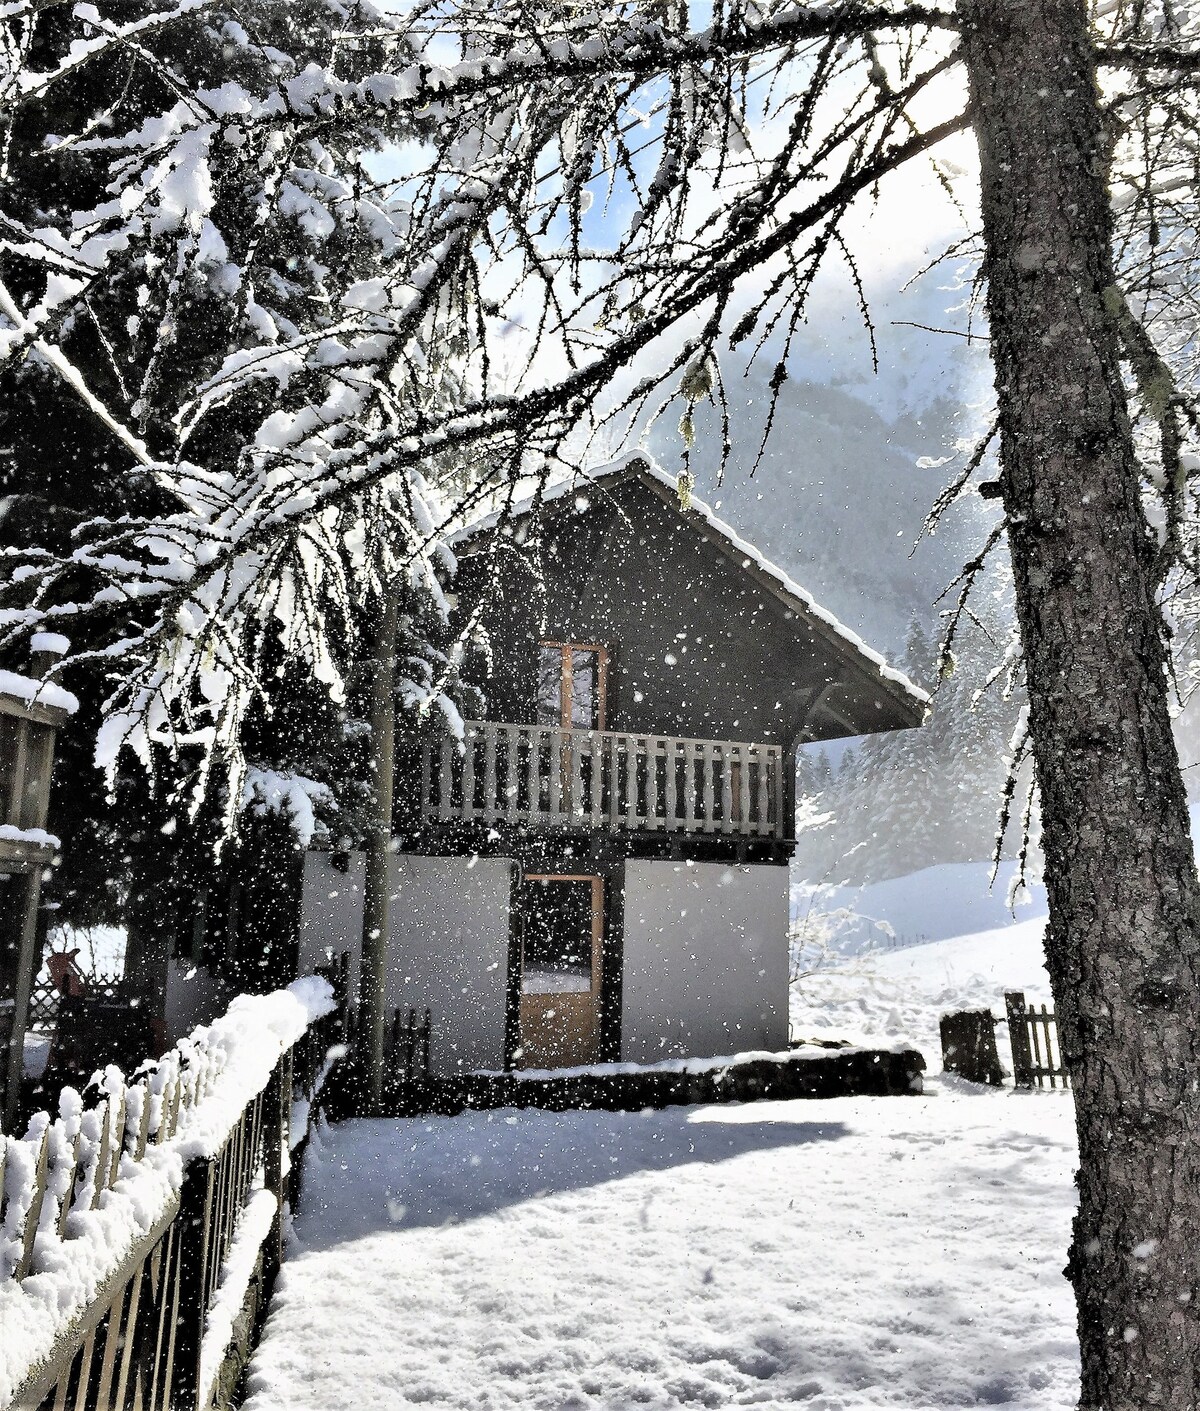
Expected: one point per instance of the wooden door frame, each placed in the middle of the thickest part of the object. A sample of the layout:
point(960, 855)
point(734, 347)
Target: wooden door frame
point(597, 920)
point(597, 994)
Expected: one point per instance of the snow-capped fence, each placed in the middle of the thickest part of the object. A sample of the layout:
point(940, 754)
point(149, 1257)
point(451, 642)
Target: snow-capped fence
point(1033, 1034)
point(140, 1235)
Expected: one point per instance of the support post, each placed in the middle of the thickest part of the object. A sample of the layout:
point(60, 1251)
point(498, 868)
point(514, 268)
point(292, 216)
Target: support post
point(1018, 1038)
point(378, 871)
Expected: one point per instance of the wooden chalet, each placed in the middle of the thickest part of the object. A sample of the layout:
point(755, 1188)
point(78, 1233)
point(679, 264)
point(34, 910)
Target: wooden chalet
point(596, 871)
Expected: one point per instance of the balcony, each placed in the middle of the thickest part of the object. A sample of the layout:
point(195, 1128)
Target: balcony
point(546, 777)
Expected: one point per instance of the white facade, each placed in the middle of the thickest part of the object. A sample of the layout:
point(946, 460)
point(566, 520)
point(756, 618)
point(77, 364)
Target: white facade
point(447, 947)
point(705, 968)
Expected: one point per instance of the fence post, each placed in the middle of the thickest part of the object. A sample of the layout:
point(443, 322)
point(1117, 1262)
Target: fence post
point(195, 1221)
point(1018, 1037)
point(277, 1113)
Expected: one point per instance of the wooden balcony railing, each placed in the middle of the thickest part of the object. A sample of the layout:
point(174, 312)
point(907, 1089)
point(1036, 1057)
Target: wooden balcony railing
point(609, 779)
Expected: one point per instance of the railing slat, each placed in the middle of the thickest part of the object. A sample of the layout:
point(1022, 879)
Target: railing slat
point(489, 773)
point(533, 775)
point(446, 779)
point(551, 776)
point(707, 791)
point(468, 778)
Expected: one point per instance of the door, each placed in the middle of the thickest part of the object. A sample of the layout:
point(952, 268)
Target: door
point(562, 938)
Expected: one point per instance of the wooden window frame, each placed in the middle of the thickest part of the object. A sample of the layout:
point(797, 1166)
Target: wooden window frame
point(597, 921)
point(566, 682)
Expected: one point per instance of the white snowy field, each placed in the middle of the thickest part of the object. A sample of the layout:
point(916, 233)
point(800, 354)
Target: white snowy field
point(900, 994)
point(841, 1255)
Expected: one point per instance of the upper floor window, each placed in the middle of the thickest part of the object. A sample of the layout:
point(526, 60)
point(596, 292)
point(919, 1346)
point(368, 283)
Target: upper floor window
point(572, 678)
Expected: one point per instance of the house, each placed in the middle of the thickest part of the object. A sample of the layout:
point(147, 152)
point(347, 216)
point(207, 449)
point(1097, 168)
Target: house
point(31, 711)
point(597, 871)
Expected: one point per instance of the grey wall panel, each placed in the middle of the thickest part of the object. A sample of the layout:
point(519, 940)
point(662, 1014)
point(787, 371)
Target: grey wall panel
point(448, 947)
point(705, 968)
point(449, 951)
point(194, 996)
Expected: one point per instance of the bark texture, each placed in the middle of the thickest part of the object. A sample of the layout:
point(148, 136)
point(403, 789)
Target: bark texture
point(1124, 900)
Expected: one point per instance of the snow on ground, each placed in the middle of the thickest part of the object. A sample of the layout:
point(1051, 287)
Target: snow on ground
point(900, 994)
point(841, 1255)
point(933, 904)
point(837, 1255)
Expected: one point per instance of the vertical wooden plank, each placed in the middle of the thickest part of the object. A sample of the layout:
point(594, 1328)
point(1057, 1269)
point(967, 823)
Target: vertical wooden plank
point(741, 789)
point(655, 792)
point(132, 1338)
point(112, 1335)
point(631, 780)
point(1018, 1038)
point(614, 781)
point(727, 824)
point(533, 779)
point(426, 780)
point(555, 764)
point(645, 794)
point(777, 776)
point(70, 1164)
point(689, 786)
point(671, 782)
point(468, 773)
point(85, 1370)
point(193, 1254)
point(445, 778)
point(489, 773)
point(705, 753)
point(510, 770)
point(1038, 1066)
point(575, 746)
point(763, 828)
point(34, 1214)
point(595, 758)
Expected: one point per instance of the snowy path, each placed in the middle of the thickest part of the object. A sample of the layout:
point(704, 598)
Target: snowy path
point(847, 1254)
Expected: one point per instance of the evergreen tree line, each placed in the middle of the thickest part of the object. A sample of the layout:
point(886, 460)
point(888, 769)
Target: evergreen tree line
point(899, 802)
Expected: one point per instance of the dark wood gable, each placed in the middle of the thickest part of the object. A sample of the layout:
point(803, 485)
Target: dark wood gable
point(702, 640)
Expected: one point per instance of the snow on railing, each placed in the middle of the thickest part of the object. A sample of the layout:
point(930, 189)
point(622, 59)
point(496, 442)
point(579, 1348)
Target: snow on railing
point(115, 1214)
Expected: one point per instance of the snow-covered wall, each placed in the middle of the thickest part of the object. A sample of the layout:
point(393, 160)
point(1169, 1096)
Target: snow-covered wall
point(705, 967)
point(448, 944)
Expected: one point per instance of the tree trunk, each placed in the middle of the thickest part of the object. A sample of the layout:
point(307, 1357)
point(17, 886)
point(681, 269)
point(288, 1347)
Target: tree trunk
point(1124, 899)
point(377, 883)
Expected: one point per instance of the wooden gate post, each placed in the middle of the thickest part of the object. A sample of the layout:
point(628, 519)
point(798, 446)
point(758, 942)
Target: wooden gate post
point(1018, 1037)
point(277, 1112)
point(190, 1305)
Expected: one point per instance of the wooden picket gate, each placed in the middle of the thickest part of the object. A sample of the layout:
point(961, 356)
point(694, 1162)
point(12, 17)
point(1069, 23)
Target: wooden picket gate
point(408, 1044)
point(1033, 1034)
point(138, 1344)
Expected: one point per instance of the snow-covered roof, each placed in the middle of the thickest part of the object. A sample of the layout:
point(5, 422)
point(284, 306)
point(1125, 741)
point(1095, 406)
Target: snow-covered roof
point(641, 464)
point(30, 692)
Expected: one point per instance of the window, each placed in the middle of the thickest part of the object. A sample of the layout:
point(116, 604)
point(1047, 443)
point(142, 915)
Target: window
point(571, 685)
point(560, 936)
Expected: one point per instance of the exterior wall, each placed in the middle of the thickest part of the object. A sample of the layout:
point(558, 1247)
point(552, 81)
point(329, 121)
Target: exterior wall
point(697, 648)
point(447, 951)
point(705, 968)
point(193, 996)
